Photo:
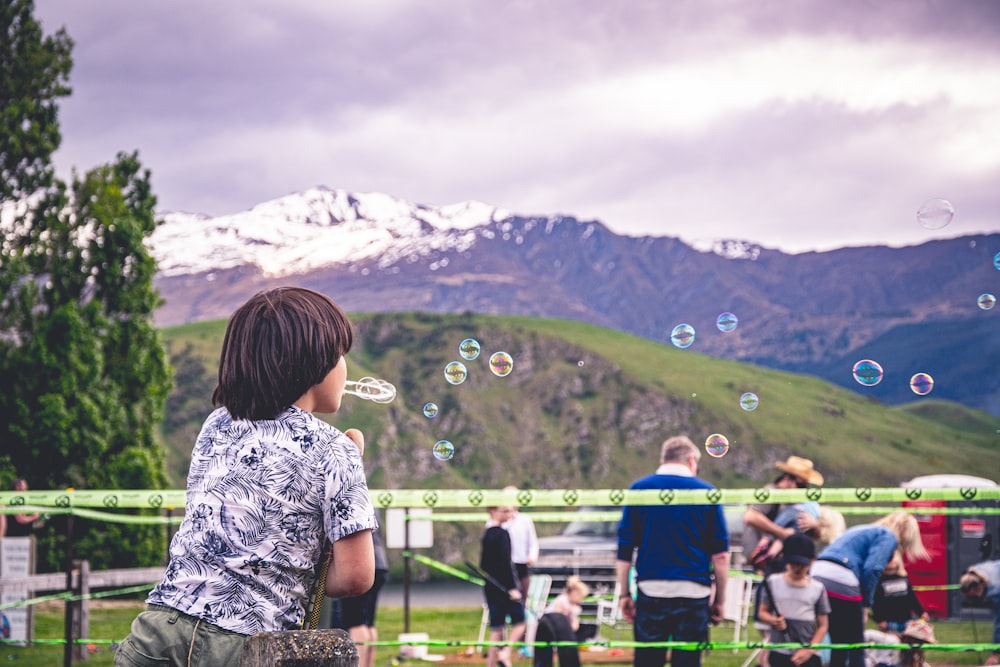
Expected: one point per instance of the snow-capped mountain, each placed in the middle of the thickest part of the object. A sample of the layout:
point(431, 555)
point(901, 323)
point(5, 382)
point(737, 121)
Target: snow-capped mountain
point(313, 229)
point(323, 226)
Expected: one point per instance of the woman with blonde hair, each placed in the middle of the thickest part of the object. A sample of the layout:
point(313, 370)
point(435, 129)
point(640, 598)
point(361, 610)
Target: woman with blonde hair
point(850, 568)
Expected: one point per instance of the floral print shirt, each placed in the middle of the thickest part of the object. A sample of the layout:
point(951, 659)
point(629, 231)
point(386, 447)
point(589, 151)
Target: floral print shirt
point(263, 498)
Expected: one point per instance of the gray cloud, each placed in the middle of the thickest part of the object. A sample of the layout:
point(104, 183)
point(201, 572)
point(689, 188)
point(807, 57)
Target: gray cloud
point(806, 124)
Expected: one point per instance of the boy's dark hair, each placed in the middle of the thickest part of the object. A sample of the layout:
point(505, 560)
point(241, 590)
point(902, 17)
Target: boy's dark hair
point(278, 344)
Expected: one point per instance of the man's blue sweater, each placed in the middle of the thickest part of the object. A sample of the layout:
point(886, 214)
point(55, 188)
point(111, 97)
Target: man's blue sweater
point(675, 542)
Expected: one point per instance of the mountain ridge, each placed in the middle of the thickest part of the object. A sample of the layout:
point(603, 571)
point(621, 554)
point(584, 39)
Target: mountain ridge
point(802, 312)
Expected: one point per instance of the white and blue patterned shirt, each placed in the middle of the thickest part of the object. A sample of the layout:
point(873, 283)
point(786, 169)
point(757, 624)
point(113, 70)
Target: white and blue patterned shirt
point(263, 498)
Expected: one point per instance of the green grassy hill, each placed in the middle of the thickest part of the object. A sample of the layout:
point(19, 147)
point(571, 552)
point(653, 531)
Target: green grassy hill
point(588, 407)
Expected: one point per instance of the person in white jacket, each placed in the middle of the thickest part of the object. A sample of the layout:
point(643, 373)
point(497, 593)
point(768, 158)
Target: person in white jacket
point(523, 545)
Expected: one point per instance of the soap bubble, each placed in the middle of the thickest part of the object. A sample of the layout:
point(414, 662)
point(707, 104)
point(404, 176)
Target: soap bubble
point(501, 364)
point(682, 336)
point(430, 410)
point(726, 322)
point(935, 213)
point(469, 349)
point(372, 389)
point(717, 445)
point(456, 372)
point(867, 372)
point(749, 401)
point(996, 261)
point(443, 450)
point(921, 384)
point(986, 301)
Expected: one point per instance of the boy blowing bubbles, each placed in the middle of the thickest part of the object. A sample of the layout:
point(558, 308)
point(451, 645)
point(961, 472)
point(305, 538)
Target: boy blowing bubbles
point(795, 606)
point(271, 489)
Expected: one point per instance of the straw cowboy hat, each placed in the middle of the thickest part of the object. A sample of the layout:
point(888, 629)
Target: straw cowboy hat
point(919, 630)
point(801, 468)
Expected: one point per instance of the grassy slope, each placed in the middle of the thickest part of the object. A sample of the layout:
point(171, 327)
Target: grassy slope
point(853, 439)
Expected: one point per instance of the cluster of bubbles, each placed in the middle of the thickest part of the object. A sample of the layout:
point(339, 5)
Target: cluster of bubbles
point(869, 373)
point(683, 335)
point(455, 373)
point(932, 214)
point(937, 213)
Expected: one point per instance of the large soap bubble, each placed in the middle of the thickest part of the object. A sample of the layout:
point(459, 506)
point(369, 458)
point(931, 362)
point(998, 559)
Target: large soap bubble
point(921, 384)
point(469, 349)
point(717, 445)
point(749, 401)
point(443, 450)
point(867, 372)
point(455, 372)
point(935, 213)
point(682, 335)
point(726, 322)
point(501, 364)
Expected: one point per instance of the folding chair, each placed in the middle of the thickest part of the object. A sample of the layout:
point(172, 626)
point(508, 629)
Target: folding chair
point(538, 595)
point(539, 586)
point(739, 602)
point(609, 611)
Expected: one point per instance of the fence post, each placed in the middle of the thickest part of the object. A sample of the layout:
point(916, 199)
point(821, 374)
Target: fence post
point(81, 611)
point(300, 648)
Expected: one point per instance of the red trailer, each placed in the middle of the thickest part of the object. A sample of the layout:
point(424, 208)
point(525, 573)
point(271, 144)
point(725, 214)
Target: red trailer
point(954, 542)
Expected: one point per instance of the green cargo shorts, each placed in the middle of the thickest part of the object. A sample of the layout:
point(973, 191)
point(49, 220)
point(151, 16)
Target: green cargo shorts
point(162, 637)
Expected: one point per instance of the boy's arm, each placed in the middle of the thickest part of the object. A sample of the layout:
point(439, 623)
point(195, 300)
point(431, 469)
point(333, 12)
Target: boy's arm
point(352, 566)
point(822, 626)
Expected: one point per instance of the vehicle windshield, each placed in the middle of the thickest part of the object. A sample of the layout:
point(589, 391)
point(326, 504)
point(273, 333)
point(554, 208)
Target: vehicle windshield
point(597, 528)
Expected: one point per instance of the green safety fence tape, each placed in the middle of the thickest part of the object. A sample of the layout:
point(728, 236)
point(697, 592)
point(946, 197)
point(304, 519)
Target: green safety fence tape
point(432, 498)
point(444, 567)
point(538, 517)
point(611, 644)
point(76, 598)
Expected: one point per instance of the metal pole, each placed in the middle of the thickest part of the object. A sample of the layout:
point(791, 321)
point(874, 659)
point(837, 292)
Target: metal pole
point(406, 570)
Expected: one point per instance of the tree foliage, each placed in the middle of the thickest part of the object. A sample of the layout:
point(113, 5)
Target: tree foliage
point(34, 73)
point(84, 374)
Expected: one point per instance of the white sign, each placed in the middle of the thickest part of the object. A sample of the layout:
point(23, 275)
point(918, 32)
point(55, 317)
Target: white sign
point(15, 561)
point(421, 530)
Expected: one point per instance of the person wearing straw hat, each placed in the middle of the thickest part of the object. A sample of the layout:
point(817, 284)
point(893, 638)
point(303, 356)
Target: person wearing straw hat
point(796, 473)
point(981, 582)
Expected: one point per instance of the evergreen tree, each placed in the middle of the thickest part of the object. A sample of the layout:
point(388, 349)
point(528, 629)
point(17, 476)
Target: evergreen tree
point(83, 372)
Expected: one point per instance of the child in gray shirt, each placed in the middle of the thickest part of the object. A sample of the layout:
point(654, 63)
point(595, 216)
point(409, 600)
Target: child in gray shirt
point(796, 607)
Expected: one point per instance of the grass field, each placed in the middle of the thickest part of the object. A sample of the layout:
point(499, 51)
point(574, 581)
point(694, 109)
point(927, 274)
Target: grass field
point(111, 620)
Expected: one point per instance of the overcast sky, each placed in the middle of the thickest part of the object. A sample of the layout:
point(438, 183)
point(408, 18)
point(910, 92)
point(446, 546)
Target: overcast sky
point(800, 124)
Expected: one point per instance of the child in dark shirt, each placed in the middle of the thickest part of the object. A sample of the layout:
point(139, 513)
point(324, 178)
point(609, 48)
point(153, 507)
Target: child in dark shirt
point(895, 604)
point(503, 597)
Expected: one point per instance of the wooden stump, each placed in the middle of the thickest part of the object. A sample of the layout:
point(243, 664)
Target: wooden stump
point(300, 648)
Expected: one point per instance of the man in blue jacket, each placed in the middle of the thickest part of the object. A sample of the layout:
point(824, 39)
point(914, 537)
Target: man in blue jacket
point(982, 582)
point(676, 549)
